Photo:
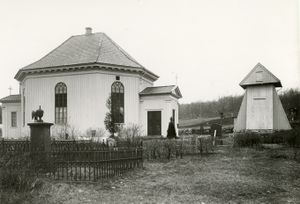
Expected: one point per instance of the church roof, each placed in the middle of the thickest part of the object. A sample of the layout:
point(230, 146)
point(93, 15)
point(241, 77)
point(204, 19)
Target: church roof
point(11, 99)
point(87, 49)
point(260, 75)
point(162, 90)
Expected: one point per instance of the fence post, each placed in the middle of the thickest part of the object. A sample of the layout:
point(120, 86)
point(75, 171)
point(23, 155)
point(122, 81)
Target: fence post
point(181, 148)
point(3, 144)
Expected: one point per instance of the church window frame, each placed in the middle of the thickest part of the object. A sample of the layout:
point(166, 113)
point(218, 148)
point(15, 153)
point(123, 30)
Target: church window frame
point(61, 103)
point(117, 102)
point(14, 116)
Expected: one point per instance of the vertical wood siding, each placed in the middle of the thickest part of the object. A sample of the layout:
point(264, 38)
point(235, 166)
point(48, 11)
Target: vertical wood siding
point(8, 131)
point(240, 122)
point(281, 121)
point(87, 95)
point(163, 103)
point(260, 107)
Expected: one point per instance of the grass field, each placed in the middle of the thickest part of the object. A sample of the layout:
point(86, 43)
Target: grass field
point(226, 176)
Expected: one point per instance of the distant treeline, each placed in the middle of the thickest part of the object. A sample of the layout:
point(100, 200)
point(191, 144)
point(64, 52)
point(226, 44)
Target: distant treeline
point(230, 105)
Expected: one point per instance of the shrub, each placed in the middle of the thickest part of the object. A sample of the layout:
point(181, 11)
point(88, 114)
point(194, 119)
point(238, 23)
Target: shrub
point(95, 135)
point(129, 136)
point(64, 132)
point(130, 131)
point(16, 172)
point(247, 139)
point(163, 148)
point(251, 139)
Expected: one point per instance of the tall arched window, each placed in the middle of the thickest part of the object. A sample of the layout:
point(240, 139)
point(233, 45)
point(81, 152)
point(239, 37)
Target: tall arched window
point(117, 102)
point(60, 103)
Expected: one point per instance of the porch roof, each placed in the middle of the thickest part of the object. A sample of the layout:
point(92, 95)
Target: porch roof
point(11, 99)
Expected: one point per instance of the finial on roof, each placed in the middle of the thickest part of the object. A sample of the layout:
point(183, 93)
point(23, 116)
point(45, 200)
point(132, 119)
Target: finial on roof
point(9, 88)
point(88, 31)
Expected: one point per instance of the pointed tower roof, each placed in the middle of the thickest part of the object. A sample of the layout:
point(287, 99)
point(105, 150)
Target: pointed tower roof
point(260, 75)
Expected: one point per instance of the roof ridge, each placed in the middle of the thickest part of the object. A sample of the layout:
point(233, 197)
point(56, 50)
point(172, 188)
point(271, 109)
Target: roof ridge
point(269, 71)
point(14, 95)
point(122, 50)
point(99, 50)
point(88, 34)
point(161, 86)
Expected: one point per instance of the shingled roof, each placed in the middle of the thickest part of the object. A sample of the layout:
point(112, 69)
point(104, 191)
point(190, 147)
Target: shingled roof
point(11, 99)
point(86, 49)
point(260, 75)
point(83, 49)
point(162, 90)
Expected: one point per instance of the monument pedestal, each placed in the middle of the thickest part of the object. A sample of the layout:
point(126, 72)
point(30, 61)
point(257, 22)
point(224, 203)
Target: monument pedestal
point(40, 145)
point(40, 136)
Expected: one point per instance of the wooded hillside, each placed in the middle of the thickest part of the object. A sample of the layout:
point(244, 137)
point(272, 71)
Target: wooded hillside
point(230, 105)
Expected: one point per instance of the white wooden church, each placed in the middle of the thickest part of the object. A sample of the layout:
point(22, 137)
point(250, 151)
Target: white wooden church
point(73, 82)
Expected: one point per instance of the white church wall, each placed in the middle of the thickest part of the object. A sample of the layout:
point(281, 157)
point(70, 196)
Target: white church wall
point(87, 95)
point(7, 130)
point(144, 84)
point(163, 103)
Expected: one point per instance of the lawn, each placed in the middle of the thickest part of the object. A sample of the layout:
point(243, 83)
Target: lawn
point(226, 176)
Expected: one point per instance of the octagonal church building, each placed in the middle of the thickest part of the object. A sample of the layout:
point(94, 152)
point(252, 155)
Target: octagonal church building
point(73, 82)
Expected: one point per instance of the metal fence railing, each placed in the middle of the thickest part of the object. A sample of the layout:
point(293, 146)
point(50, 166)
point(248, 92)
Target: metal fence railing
point(70, 160)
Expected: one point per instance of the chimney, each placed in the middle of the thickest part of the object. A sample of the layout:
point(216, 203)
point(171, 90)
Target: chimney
point(88, 31)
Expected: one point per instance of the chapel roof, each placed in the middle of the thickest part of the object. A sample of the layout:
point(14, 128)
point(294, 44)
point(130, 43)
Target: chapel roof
point(86, 49)
point(11, 99)
point(162, 90)
point(260, 75)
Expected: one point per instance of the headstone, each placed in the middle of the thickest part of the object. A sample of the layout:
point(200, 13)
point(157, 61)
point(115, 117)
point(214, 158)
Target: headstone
point(218, 129)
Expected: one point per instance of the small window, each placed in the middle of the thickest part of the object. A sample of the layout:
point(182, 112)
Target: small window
point(13, 119)
point(117, 78)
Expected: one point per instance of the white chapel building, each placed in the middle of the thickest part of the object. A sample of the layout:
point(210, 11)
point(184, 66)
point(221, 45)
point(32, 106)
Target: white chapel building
point(73, 82)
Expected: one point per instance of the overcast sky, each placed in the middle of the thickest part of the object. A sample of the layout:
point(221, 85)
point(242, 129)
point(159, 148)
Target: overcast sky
point(210, 45)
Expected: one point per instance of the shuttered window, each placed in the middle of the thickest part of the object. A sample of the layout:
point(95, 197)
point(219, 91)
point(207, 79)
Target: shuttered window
point(117, 102)
point(61, 103)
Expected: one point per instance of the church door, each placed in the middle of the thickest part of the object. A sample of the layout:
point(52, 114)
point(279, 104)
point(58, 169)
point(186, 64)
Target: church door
point(154, 122)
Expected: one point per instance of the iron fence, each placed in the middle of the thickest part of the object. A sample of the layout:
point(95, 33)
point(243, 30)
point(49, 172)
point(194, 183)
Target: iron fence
point(70, 160)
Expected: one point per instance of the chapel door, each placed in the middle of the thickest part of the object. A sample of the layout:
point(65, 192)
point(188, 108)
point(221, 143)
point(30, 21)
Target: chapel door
point(154, 122)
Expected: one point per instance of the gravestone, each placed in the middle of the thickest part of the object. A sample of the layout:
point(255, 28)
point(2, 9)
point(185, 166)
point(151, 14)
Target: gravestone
point(216, 128)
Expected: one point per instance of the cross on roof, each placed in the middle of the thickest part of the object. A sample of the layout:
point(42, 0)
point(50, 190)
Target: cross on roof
point(9, 88)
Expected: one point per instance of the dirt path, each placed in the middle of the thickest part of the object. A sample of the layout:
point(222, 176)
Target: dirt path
point(228, 176)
